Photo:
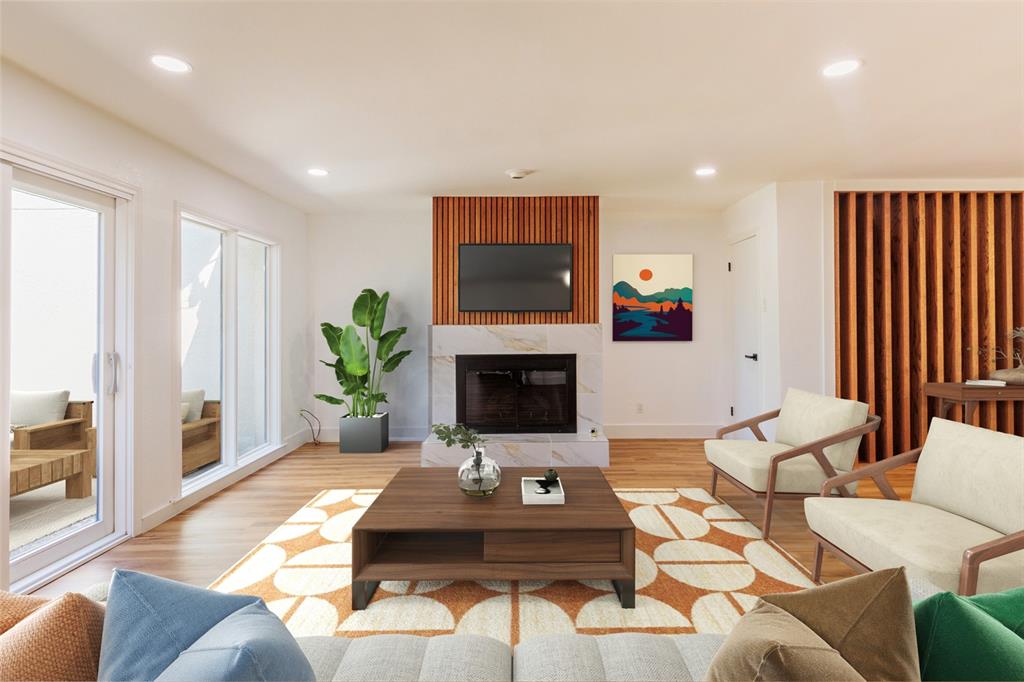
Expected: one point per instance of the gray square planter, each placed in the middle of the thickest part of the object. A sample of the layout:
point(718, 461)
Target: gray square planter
point(363, 434)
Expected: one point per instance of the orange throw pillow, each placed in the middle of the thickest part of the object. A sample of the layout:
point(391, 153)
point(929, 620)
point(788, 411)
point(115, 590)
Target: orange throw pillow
point(15, 607)
point(57, 640)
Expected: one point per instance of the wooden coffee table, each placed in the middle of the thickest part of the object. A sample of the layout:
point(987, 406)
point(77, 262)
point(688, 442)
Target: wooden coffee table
point(422, 527)
point(32, 469)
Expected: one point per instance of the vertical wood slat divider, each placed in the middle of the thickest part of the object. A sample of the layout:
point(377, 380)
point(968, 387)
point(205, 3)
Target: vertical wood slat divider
point(988, 298)
point(923, 281)
point(888, 383)
point(920, 350)
point(516, 220)
point(903, 396)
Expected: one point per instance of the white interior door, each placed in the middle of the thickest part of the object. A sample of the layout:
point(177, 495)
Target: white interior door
point(62, 338)
point(746, 301)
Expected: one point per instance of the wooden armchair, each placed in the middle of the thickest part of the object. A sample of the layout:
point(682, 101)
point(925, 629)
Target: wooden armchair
point(200, 439)
point(70, 433)
point(966, 513)
point(817, 436)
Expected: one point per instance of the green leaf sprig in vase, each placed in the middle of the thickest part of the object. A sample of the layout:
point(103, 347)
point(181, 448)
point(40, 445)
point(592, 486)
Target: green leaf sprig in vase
point(364, 353)
point(479, 476)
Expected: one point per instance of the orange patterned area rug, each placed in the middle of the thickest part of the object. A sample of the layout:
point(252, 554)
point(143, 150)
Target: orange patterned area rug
point(699, 566)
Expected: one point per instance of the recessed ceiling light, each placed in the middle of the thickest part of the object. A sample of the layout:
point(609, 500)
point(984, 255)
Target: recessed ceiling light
point(705, 171)
point(841, 68)
point(169, 63)
point(518, 173)
point(317, 172)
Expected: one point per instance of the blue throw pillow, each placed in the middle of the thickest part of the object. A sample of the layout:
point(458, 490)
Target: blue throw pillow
point(159, 628)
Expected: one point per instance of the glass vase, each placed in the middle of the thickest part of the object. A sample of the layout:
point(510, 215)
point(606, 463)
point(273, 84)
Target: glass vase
point(479, 476)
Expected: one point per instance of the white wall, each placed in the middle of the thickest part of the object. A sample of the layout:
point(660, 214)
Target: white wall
point(684, 388)
point(41, 117)
point(386, 248)
point(802, 289)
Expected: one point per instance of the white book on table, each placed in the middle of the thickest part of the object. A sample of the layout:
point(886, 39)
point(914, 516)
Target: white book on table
point(531, 496)
point(986, 382)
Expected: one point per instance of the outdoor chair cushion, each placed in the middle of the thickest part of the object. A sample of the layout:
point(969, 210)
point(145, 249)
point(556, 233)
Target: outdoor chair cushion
point(31, 408)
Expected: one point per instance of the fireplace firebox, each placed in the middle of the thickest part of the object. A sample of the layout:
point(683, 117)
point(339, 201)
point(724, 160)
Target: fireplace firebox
point(521, 393)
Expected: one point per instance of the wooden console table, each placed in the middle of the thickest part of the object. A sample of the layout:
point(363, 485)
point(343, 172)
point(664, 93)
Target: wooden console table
point(969, 396)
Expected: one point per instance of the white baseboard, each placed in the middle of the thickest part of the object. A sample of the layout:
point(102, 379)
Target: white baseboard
point(169, 511)
point(395, 433)
point(661, 430)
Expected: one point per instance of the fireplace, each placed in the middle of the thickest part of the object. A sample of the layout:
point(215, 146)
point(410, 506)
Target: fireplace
point(521, 393)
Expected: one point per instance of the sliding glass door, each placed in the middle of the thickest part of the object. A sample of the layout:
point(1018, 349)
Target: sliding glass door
point(63, 370)
point(225, 346)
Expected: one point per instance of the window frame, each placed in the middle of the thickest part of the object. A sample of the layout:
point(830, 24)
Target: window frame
point(231, 459)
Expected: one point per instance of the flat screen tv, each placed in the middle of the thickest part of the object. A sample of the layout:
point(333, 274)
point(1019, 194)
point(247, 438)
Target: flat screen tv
point(515, 277)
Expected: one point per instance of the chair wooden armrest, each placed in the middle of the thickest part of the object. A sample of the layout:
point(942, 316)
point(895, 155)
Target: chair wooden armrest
point(974, 556)
point(198, 424)
point(875, 472)
point(754, 424)
point(817, 450)
point(49, 436)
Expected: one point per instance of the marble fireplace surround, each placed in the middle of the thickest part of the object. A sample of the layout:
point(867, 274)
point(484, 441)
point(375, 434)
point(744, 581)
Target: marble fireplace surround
point(523, 449)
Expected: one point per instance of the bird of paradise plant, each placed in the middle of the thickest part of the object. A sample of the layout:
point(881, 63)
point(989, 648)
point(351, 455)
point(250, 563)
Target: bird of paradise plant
point(361, 363)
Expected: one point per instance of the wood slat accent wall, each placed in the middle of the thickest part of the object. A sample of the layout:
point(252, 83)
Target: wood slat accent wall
point(516, 220)
point(923, 280)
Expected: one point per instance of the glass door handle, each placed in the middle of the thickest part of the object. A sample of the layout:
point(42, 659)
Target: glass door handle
point(752, 356)
point(113, 364)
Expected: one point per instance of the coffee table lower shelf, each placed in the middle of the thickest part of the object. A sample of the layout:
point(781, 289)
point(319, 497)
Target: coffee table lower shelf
point(503, 555)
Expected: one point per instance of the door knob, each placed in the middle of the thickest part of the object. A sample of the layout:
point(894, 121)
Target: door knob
point(751, 357)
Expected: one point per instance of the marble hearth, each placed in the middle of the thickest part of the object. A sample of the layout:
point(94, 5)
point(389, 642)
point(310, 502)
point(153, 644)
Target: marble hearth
point(583, 448)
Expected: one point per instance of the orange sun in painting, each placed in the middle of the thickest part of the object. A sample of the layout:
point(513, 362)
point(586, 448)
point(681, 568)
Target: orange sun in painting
point(646, 274)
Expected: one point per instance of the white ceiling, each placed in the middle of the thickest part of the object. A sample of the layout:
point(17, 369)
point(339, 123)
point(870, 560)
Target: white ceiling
point(617, 99)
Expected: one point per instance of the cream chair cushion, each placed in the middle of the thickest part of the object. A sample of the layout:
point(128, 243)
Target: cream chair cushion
point(975, 473)
point(30, 408)
point(930, 542)
point(748, 461)
point(195, 399)
point(807, 417)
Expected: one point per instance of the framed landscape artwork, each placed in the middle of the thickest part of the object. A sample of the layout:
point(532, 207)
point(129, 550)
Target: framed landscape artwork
point(652, 299)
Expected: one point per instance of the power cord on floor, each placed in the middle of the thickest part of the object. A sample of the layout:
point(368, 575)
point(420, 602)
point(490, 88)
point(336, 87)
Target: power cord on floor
point(310, 418)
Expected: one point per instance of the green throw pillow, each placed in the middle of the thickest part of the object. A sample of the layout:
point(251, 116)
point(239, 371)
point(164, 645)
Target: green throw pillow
point(971, 638)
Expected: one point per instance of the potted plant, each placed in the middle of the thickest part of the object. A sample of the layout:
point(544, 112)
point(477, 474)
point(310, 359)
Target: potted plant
point(479, 475)
point(359, 367)
point(1013, 375)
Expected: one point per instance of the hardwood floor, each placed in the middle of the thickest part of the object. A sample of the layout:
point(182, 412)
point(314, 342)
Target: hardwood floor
point(202, 542)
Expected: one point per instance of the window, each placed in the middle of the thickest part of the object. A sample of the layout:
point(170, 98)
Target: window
point(252, 345)
point(225, 345)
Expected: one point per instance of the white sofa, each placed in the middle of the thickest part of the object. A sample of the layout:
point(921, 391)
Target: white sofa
point(963, 528)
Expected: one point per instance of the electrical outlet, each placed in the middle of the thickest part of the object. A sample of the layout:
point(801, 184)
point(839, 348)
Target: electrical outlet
point(639, 408)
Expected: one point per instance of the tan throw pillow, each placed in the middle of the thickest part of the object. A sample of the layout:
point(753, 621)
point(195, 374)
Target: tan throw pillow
point(59, 640)
point(867, 622)
point(770, 644)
